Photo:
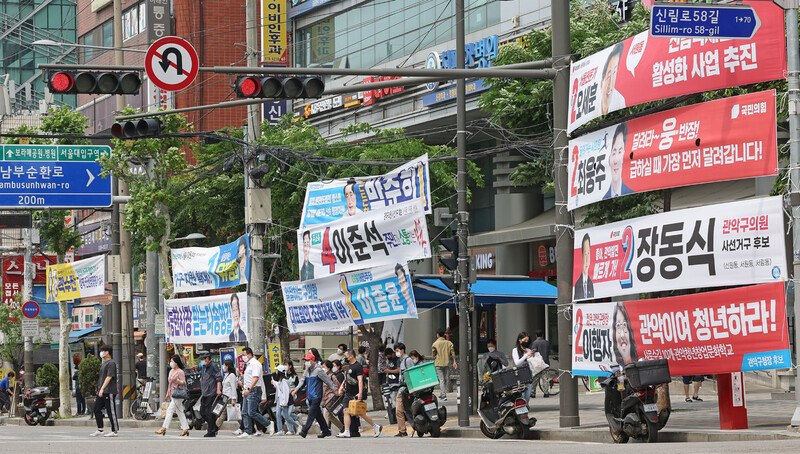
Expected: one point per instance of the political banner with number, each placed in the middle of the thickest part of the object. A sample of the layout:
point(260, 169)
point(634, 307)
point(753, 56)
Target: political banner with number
point(388, 235)
point(642, 69)
point(735, 243)
point(207, 319)
point(329, 201)
point(79, 279)
point(206, 268)
point(726, 139)
point(336, 303)
point(732, 330)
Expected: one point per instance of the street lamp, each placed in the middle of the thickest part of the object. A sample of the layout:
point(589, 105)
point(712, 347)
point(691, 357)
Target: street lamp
point(191, 236)
point(50, 42)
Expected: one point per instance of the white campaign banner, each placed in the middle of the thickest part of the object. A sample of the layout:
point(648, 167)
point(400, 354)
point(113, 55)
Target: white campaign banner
point(338, 302)
point(206, 268)
point(208, 319)
point(735, 243)
point(389, 235)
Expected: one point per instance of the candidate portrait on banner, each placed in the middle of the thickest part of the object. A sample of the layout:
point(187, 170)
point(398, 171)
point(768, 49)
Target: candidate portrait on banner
point(237, 333)
point(584, 289)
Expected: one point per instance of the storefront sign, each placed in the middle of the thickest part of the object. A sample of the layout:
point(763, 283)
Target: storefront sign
point(158, 20)
point(475, 86)
point(274, 31)
point(544, 258)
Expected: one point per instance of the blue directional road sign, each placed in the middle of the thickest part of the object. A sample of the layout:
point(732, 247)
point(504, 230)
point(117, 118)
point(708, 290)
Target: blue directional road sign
point(53, 176)
point(676, 20)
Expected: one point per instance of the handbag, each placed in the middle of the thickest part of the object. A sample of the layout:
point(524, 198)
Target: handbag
point(537, 363)
point(218, 406)
point(180, 393)
point(234, 412)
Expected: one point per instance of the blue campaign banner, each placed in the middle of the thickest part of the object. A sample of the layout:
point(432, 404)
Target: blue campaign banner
point(196, 268)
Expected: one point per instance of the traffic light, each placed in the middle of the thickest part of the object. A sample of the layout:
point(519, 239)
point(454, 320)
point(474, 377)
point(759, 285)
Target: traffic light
point(95, 83)
point(279, 87)
point(451, 244)
point(137, 129)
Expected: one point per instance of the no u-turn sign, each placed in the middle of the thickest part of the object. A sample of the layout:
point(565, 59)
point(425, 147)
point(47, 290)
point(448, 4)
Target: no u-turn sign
point(171, 63)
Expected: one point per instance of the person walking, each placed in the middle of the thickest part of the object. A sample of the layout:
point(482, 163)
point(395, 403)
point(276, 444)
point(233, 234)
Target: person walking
point(79, 399)
point(698, 381)
point(520, 356)
point(282, 399)
point(353, 388)
point(542, 346)
point(230, 385)
point(339, 353)
point(404, 362)
point(253, 379)
point(106, 394)
point(210, 388)
point(313, 378)
point(332, 370)
point(176, 394)
point(443, 354)
point(6, 393)
point(141, 368)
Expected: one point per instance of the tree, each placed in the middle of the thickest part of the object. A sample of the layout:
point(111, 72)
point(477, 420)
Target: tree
point(12, 345)
point(47, 375)
point(89, 375)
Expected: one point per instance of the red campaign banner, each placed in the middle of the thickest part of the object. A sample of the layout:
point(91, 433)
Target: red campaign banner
point(725, 139)
point(642, 68)
point(733, 330)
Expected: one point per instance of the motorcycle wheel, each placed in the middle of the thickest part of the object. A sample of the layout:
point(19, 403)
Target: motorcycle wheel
point(30, 420)
point(620, 438)
point(133, 408)
point(436, 431)
point(652, 433)
point(525, 432)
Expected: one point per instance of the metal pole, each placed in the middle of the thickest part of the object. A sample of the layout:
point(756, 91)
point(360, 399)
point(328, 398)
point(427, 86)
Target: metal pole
point(27, 295)
point(150, 341)
point(116, 323)
point(162, 345)
point(568, 396)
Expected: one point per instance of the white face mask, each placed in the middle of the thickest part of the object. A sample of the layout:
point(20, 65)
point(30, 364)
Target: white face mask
point(399, 355)
point(335, 369)
point(308, 364)
point(103, 355)
point(172, 364)
point(491, 349)
point(339, 351)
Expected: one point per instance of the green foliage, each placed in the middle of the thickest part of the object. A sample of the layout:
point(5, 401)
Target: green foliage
point(65, 120)
point(47, 375)
point(25, 129)
point(11, 349)
point(56, 236)
point(88, 375)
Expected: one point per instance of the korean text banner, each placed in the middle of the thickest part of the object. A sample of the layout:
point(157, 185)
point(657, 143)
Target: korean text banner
point(394, 234)
point(208, 319)
point(733, 243)
point(642, 69)
point(338, 302)
point(329, 201)
point(726, 139)
point(199, 268)
point(718, 332)
point(79, 279)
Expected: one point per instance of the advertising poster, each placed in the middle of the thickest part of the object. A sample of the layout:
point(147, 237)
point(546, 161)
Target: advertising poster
point(642, 69)
point(385, 236)
point(274, 31)
point(330, 201)
point(740, 329)
point(79, 279)
point(338, 302)
point(735, 243)
point(205, 268)
point(227, 353)
point(207, 319)
point(726, 139)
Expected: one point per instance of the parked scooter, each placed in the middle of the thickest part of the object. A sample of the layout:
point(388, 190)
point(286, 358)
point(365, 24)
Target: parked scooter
point(35, 406)
point(502, 408)
point(637, 401)
point(424, 413)
point(191, 406)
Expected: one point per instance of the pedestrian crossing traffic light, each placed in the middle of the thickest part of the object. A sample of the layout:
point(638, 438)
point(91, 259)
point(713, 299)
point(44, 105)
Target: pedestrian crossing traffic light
point(451, 244)
point(279, 87)
point(95, 83)
point(137, 129)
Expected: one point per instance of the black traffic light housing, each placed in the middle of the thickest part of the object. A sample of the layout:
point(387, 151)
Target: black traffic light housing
point(279, 87)
point(137, 129)
point(94, 83)
point(451, 244)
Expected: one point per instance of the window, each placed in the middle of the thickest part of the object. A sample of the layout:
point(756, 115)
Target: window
point(134, 21)
point(108, 34)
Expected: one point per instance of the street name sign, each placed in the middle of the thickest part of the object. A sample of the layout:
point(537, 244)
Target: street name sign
point(53, 176)
point(695, 20)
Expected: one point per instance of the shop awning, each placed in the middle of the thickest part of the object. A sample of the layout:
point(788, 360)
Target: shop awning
point(430, 291)
point(75, 335)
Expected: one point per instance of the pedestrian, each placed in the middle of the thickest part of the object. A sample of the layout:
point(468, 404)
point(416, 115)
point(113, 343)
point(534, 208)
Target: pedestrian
point(291, 375)
point(6, 393)
point(79, 399)
point(520, 356)
point(698, 381)
point(106, 394)
point(210, 388)
point(175, 394)
point(283, 396)
point(542, 346)
point(253, 374)
point(313, 378)
point(443, 353)
point(362, 356)
point(416, 357)
point(353, 388)
point(403, 362)
point(329, 392)
point(141, 368)
point(230, 385)
point(339, 353)
point(493, 353)
point(317, 355)
point(382, 362)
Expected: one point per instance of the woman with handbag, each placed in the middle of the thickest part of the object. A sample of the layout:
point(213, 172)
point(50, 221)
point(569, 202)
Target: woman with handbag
point(176, 394)
point(229, 385)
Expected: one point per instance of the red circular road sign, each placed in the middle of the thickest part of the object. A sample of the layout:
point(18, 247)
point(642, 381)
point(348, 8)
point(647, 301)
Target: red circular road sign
point(171, 63)
point(30, 309)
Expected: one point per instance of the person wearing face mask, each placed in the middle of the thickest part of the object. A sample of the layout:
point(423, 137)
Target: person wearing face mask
point(403, 362)
point(353, 388)
point(177, 380)
point(106, 394)
point(329, 393)
point(491, 345)
point(313, 377)
point(339, 355)
point(520, 356)
point(443, 353)
point(252, 382)
point(282, 399)
point(210, 387)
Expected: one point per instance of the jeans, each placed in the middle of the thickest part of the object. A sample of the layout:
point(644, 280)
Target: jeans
point(527, 393)
point(285, 413)
point(176, 406)
point(315, 413)
point(444, 379)
point(250, 411)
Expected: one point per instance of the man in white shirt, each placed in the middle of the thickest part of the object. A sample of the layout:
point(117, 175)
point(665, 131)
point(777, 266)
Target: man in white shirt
point(253, 374)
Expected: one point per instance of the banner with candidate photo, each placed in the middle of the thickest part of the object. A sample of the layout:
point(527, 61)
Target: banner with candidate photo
point(735, 243)
point(205, 268)
point(382, 236)
point(329, 201)
point(643, 69)
point(740, 329)
point(79, 279)
point(726, 139)
point(207, 319)
point(338, 302)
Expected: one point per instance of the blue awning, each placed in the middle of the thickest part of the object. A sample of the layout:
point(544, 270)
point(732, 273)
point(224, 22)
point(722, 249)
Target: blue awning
point(84, 332)
point(430, 291)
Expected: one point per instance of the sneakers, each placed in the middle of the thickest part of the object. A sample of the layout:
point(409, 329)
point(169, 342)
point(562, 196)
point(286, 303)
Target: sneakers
point(244, 435)
point(324, 434)
point(96, 433)
point(299, 430)
point(279, 433)
point(110, 434)
point(258, 433)
point(401, 434)
point(270, 429)
point(345, 434)
point(238, 432)
point(378, 428)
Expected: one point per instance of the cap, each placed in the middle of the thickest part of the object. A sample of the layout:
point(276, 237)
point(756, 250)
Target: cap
point(309, 357)
point(201, 355)
point(139, 355)
point(281, 368)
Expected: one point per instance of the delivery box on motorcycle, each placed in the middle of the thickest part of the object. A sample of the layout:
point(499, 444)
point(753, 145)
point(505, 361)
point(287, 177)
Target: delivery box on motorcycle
point(39, 392)
point(647, 373)
point(421, 377)
point(505, 379)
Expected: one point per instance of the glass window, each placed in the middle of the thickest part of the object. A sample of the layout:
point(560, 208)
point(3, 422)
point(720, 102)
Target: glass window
point(87, 54)
point(476, 19)
point(108, 34)
point(142, 17)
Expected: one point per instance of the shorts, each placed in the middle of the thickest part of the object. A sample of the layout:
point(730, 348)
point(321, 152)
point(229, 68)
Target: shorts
point(688, 379)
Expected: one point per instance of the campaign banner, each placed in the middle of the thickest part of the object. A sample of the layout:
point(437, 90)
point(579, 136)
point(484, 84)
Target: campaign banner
point(205, 268)
point(726, 139)
point(642, 69)
point(740, 329)
point(79, 279)
point(207, 319)
point(735, 243)
point(336, 303)
point(330, 201)
point(388, 235)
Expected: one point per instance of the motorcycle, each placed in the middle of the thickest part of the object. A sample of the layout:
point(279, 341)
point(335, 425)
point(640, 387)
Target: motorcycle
point(35, 406)
point(637, 401)
point(191, 406)
point(501, 406)
point(423, 411)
